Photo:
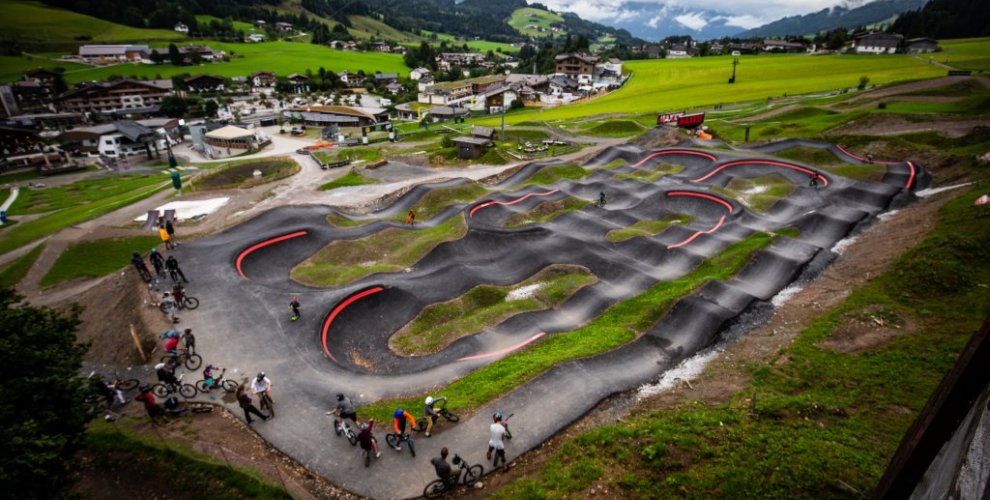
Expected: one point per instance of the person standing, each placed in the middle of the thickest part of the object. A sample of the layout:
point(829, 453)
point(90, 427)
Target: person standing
point(170, 229)
point(495, 441)
point(163, 234)
point(442, 468)
point(367, 439)
point(157, 261)
point(150, 405)
point(247, 405)
point(411, 217)
point(189, 340)
point(169, 307)
point(172, 265)
point(141, 268)
point(294, 307)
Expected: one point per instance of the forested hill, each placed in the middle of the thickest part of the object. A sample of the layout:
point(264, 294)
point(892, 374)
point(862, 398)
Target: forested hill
point(946, 19)
point(833, 18)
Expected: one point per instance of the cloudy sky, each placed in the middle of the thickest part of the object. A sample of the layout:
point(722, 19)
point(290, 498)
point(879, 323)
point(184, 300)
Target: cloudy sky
point(744, 14)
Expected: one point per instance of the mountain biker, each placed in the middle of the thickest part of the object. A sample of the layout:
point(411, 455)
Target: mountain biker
point(294, 306)
point(495, 442)
point(142, 269)
point(100, 387)
point(399, 419)
point(169, 306)
point(172, 265)
point(367, 438)
point(262, 385)
point(344, 409)
point(211, 376)
point(157, 261)
point(601, 198)
point(171, 347)
point(189, 340)
point(443, 469)
point(166, 375)
point(244, 401)
point(150, 405)
point(431, 413)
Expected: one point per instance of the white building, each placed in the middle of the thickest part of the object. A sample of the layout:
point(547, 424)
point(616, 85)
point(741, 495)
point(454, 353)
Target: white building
point(122, 138)
point(107, 54)
point(877, 43)
point(418, 73)
point(181, 28)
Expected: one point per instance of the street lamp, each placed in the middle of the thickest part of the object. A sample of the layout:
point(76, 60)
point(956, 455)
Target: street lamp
point(735, 62)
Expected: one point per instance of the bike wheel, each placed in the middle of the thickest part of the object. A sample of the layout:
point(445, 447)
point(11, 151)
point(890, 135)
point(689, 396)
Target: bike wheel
point(128, 385)
point(434, 489)
point(412, 449)
point(367, 458)
point(190, 302)
point(187, 391)
point(473, 474)
point(169, 360)
point(420, 425)
point(352, 438)
point(201, 386)
point(160, 390)
point(391, 440)
point(450, 416)
point(194, 361)
point(508, 435)
point(229, 385)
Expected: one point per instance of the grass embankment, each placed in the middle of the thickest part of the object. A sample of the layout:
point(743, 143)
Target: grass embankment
point(552, 174)
point(484, 306)
point(184, 473)
point(12, 273)
point(352, 178)
point(351, 154)
point(619, 325)
point(757, 193)
point(677, 84)
point(240, 174)
point(827, 161)
point(92, 259)
point(34, 23)
point(965, 53)
point(81, 211)
point(534, 22)
point(545, 212)
point(391, 250)
point(613, 128)
point(436, 200)
point(813, 421)
point(649, 175)
point(37, 201)
point(647, 227)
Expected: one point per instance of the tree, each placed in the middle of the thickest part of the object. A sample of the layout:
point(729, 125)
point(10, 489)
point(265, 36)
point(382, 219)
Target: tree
point(210, 107)
point(174, 55)
point(863, 82)
point(43, 417)
point(173, 106)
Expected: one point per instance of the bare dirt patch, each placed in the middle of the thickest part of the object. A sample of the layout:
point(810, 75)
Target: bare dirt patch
point(242, 176)
point(866, 330)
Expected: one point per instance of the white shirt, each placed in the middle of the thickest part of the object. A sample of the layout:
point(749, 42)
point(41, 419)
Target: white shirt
point(497, 432)
point(264, 385)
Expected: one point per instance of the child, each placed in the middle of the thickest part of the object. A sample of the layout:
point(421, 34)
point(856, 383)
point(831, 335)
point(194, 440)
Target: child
point(294, 306)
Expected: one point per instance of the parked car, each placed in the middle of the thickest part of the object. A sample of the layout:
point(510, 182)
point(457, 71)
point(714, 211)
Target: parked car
point(298, 131)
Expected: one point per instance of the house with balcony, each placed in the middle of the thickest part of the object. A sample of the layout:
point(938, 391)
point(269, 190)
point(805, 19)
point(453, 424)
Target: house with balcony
point(117, 96)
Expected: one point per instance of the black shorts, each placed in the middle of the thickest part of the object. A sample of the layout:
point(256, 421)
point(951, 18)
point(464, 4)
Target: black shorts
point(349, 414)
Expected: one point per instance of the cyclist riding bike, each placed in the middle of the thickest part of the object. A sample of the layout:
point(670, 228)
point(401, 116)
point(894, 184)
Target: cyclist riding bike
point(431, 413)
point(345, 409)
point(166, 375)
point(601, 199)
point(366, 438)
point(261, 386)
point(211, 374)
point(443, 469)
point(399, 419)
point(171, 347)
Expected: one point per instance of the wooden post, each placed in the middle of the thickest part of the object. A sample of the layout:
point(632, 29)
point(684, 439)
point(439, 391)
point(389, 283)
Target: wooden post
point(137, 343)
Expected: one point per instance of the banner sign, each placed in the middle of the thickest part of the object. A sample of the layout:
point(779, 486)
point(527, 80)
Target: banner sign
point(668, 118)
point(688, 121)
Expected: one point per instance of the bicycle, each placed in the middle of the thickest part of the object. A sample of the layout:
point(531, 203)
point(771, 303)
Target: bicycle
point(225, 383)
point(466, 475)
point(122, 384)
point(191, 361)
point(394, 440)
point(340, 426)
point(182, 300)
point(505, 423)
point(163, 390)
point(442, 411)
point(266, 402)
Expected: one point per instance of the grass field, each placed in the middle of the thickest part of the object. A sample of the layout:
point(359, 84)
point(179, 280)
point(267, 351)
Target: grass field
point(352, 178)
point(965, 53)
point(92, 259)
point(529, 16)
point(364, 28)
point(280, 57)
point(12, 68)
point(676, 85)
point(32, 22)
point(14, 271)
point(477, 45)
point(247, 28)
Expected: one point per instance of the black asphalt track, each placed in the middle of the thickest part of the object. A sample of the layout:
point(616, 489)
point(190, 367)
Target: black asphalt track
point(341, 342)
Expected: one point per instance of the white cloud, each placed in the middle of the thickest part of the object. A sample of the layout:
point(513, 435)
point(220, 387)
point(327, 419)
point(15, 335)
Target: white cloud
point(741, 11)
point(693, 20)
point(744, 21)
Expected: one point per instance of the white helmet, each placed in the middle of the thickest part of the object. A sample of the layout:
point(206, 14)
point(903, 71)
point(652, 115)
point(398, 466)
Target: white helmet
point(429, 400)
point(159, 366)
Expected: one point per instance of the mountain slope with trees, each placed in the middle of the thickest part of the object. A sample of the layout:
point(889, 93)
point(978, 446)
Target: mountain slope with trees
point(946, 19)
point(834, 18)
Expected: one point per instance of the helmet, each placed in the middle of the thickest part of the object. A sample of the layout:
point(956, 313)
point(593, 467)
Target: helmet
point(261, 376)
point(154, 250)
point(398, 413)
point(166, 294)
point(159, 366)
point(429, 400)
point(497, 416)
point(188, 330)
point(340, 397)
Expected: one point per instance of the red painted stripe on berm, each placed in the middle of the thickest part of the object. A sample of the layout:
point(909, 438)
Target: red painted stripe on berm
point(674, 152)
point(247, 251)
point(511, 202)
point(340, 307)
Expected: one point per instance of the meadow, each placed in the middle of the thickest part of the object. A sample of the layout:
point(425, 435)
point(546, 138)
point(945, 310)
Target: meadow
point(965, 53)
point(680, 84)
point(529, 16)
point(32, 22)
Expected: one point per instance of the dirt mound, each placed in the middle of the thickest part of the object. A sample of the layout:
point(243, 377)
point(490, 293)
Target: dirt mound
point(867, 329)
point(660, 138)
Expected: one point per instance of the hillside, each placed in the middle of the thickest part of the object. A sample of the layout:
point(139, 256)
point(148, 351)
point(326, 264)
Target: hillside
point(31, 23)
point(534, 22)
point(835, 17)
point(947, 19)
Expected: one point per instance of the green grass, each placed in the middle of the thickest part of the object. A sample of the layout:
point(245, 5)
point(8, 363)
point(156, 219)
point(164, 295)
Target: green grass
point(555, 173)
point(12, 68)
point(184, 472)
point(240, 174)
point(476, 45)
point(614, 128)
point(280, 57)
point(436, 200)
point(14, 271)
point(675, 85)
point(528, 15)
point(823, 159)
point(352, 154)
point(352, 178)
point(391, 250)
point(545, 212)
point(617, 326)
point(758, 193)
point(93, 259)
point(647, 227)
point(804, 122)
point(247, 28)
point(36, 201)
point(34, 23)
point(971, 53)
point(649, 176)
point(484, 306)
point(975, 105)
point(811, 416)
point(366, 27)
